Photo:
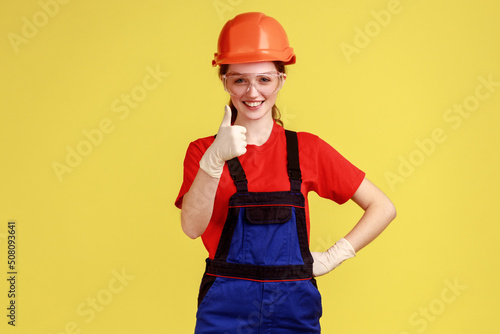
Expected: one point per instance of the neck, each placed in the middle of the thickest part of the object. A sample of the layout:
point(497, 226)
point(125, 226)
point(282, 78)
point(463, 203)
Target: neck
point(258, 131)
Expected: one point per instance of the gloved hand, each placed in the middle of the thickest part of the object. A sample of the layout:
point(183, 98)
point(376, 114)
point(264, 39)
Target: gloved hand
point(230, 142)
point(324, 262)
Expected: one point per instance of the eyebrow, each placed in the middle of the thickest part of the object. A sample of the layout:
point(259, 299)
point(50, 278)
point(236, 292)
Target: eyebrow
point(238, 73)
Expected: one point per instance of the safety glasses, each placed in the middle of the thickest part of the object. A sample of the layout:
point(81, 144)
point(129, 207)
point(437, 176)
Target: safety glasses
point(238, 84)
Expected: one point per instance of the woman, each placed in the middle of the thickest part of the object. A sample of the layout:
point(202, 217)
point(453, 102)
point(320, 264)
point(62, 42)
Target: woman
point(245, 193)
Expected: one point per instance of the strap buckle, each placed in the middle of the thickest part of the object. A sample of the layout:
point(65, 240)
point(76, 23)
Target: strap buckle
point(295, 174)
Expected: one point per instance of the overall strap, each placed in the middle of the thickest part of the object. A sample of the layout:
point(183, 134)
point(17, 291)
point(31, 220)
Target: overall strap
point(294, 173)
point(238, 175)
point(292, 150)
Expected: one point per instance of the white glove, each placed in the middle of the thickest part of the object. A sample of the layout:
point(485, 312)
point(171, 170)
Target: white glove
point(324, 262)
point(229, 143)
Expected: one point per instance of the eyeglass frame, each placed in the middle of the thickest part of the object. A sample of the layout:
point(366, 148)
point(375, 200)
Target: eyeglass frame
point(280, 76)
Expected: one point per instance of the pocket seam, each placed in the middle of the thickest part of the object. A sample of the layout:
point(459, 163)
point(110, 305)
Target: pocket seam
point(209, 292)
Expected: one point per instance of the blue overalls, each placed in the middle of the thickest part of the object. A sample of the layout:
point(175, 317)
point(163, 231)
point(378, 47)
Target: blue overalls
point(260, 280)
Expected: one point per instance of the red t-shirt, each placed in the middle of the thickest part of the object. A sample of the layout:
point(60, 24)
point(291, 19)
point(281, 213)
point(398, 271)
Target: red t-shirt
point(324, 171)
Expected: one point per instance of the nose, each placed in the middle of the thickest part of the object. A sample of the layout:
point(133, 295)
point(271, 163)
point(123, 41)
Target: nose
point(252, 91)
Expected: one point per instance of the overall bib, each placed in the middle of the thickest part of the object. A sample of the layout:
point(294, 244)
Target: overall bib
point(260, 280)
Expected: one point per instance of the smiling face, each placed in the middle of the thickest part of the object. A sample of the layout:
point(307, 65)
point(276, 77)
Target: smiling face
point(254, 103)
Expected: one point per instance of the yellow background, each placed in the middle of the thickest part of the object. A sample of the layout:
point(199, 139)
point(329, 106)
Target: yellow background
point(113, 214)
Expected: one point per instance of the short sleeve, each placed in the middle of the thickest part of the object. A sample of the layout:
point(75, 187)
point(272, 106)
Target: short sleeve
point(329, 174)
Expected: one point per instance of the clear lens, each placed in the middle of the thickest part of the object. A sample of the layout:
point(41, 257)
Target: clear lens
point(266, 83)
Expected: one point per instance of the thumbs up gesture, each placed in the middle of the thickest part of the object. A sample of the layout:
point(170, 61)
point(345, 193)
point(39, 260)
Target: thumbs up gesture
point(229, 143)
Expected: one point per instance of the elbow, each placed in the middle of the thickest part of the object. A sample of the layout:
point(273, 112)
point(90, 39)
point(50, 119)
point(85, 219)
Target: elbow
point(384, 207)
point(188, 229)
point(391, 211)
point(190, 234)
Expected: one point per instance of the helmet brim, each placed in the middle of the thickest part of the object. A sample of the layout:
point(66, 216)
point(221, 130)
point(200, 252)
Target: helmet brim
point(286, 56)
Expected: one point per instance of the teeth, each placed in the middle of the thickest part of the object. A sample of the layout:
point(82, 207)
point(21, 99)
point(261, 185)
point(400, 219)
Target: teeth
point(253, 104)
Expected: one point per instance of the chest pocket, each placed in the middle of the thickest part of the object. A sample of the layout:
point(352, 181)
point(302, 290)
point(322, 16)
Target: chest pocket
point(268, 214)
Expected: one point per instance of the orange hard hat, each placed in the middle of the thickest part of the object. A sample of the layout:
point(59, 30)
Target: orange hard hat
point(253, 37)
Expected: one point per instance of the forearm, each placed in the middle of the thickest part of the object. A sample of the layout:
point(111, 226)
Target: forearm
point(379, 212)
point(375, 219)
point(198, 203)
